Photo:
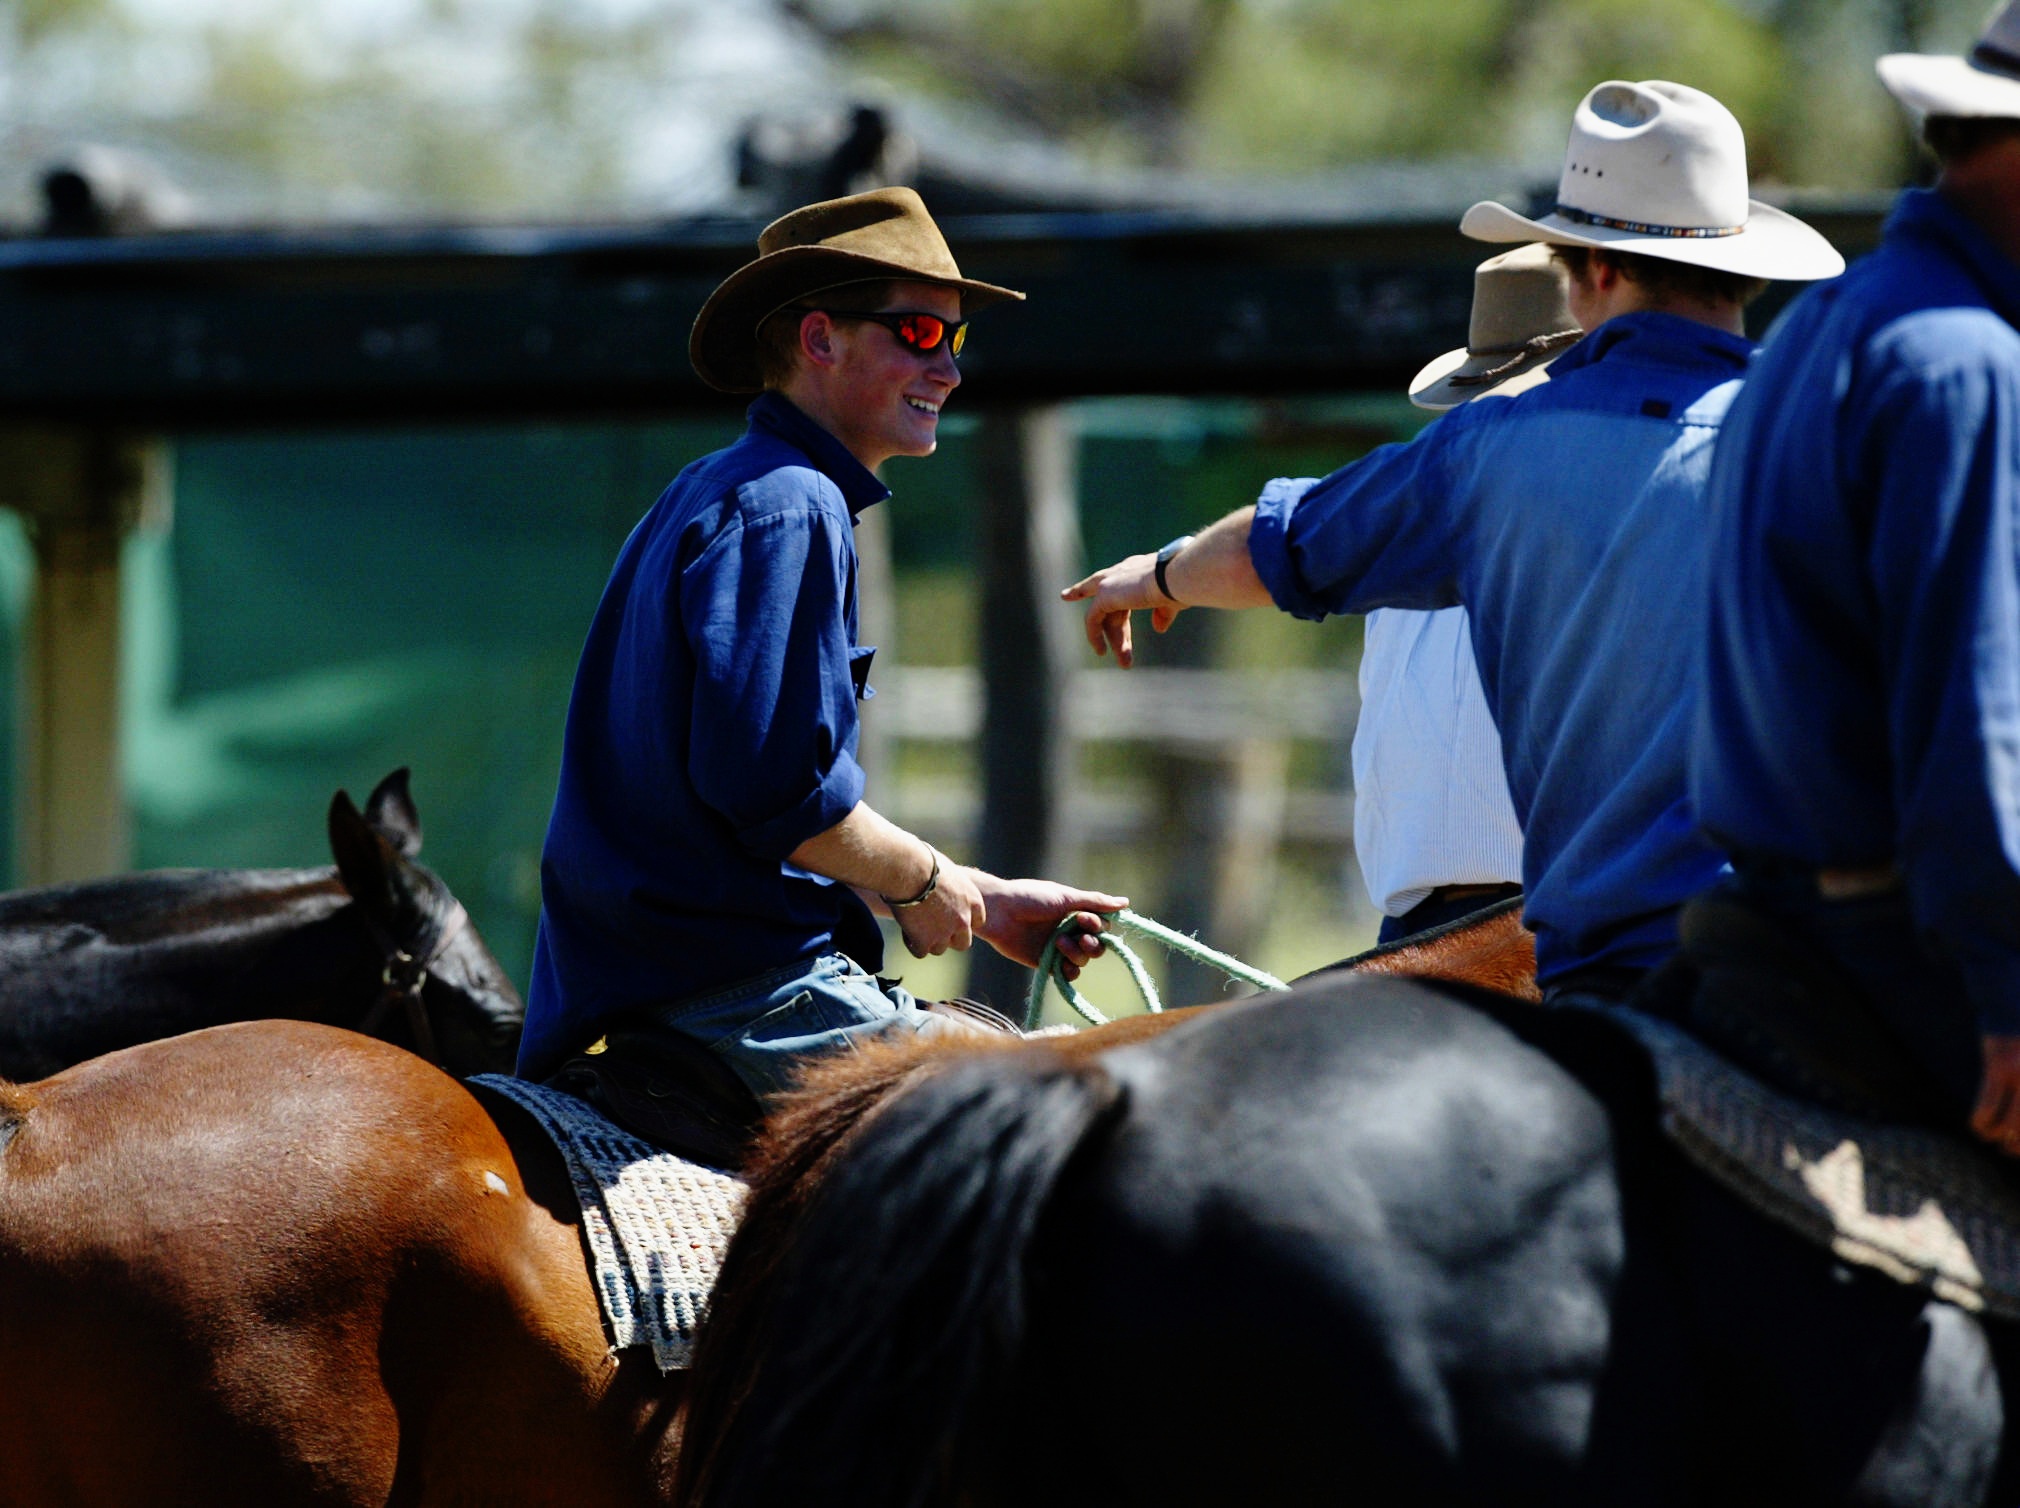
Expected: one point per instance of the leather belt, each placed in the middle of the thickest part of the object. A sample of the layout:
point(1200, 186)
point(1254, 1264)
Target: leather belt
point(1490, 891)
point(1861, 883)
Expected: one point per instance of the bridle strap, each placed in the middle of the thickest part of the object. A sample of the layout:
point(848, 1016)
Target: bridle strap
point(401, 981)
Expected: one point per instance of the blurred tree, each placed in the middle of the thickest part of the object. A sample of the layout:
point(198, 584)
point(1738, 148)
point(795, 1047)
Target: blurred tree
point(1297, 85)
point(560, 108)
point(308, 108)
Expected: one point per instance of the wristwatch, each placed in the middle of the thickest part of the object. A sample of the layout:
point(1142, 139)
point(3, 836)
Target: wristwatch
point(1164, 558)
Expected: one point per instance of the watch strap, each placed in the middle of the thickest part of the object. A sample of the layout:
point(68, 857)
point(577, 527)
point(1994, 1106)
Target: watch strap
point(1164, 559)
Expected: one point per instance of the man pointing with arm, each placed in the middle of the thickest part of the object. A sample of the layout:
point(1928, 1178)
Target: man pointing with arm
point(1568, 520)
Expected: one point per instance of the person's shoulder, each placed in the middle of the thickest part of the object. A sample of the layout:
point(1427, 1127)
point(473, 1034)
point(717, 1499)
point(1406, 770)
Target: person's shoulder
point(1941, 341)
point(1908, 303)
point(1493, 412)
point(792, 488)
point(760, 477)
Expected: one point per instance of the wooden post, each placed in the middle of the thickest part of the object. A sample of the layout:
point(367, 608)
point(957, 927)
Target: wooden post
point(1030, 547)
point(876, 624)
point(81, 492)
point(1245, 880)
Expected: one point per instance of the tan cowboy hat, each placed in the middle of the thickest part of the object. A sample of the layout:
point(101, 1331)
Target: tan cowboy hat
point(1521, 321)
point(885, 233)
point(1659, 169)
point(1986, 84)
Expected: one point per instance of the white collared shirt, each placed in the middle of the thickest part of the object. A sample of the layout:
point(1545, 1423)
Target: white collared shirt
point(1431, 803)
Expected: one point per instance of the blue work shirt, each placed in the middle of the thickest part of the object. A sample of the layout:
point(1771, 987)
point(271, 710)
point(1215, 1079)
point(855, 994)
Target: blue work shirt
point(1862, 671)
point(712, 731)
point(1569, 521)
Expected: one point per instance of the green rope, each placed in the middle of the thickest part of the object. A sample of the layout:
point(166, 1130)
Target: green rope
point(1052, 967)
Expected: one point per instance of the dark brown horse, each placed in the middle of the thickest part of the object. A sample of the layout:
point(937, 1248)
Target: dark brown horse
point(276, 1264)
point(376, 943)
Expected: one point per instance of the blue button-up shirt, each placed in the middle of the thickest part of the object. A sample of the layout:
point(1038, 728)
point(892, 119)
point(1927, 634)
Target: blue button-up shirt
point(712, 730)
point(1568, 521)
point(1862, 673)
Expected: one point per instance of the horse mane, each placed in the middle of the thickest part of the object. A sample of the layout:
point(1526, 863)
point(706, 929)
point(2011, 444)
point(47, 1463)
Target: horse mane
point(1490, 948)
point(839, 1099)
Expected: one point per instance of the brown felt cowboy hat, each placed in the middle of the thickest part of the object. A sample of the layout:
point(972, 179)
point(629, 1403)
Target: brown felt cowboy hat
point(1521, 323)
point(885, 233)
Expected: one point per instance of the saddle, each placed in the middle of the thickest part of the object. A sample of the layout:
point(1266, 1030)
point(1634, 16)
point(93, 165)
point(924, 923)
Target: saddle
point(668, 1089)
point(1787, 1013)
point(1776, 1076)
point(675, 1093)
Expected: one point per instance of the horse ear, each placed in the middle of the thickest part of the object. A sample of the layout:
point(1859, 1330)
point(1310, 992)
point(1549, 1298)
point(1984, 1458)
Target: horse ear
point(372, 868)
point(390, 809)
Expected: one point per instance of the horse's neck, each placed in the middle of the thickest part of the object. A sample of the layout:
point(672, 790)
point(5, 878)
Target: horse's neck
point(171, 950)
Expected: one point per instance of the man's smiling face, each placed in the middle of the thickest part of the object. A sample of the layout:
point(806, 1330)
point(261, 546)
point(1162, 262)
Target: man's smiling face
point(885, 400)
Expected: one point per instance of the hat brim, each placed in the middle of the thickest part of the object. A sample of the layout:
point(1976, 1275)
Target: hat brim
point(1774, 244)
point(1949, 86)
point(1434, 388)
point(723, 343)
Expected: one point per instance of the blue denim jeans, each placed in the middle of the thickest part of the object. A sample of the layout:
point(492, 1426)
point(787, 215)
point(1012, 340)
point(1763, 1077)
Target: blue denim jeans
point(764, 1028)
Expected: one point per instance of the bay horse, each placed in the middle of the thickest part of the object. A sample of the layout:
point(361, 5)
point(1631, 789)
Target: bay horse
point(275, 1263)
point(376, 943)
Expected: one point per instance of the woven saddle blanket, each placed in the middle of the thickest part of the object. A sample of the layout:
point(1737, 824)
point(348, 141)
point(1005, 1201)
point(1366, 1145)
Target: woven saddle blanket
point(1926, 1209)
point(655, 1226)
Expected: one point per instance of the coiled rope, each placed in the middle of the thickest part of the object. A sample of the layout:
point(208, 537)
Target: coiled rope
point(1051, 966)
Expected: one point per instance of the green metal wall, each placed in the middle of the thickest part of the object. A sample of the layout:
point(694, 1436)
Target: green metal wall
point(327, 606)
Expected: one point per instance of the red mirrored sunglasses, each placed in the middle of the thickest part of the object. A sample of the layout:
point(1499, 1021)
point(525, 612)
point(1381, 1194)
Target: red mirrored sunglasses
point(920, 334)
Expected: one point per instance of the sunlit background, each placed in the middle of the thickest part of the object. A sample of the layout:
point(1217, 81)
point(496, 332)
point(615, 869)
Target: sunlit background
point(317, 605)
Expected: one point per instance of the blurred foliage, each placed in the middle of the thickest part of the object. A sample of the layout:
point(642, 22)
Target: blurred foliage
point(300, 108)
point(534, 108)
point(1291, 85)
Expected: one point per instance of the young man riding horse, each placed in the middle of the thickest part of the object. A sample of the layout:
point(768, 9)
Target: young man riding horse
point(1858, 744)
point(1568, 520)
point(712, 869)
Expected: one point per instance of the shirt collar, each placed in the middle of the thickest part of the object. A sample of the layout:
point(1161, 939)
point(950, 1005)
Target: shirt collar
point(1926, 215)
point(778, 415)
point(1670, 340)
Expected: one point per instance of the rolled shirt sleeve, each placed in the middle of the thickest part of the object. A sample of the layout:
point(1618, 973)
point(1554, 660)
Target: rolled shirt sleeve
point(764, 608)
point(1941, 431)
point(1376, 533)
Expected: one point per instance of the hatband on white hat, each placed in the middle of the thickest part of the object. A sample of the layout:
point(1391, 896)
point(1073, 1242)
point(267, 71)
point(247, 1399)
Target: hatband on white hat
point(1983, 85)
point(1659, 169)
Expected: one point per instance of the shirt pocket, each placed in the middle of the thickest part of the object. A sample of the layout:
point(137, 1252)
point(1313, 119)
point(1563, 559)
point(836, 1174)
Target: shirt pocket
point(859, 671)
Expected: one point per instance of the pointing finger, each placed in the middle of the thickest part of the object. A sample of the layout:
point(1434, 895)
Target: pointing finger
point(1095, 629)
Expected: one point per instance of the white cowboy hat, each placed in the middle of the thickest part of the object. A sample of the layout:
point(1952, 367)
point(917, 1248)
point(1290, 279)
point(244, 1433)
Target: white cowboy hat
point(1985, 84)
point(1659, 169)
point(1521, 322)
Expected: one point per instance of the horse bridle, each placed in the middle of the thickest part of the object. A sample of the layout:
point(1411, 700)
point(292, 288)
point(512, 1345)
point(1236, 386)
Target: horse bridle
point(406, 972)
